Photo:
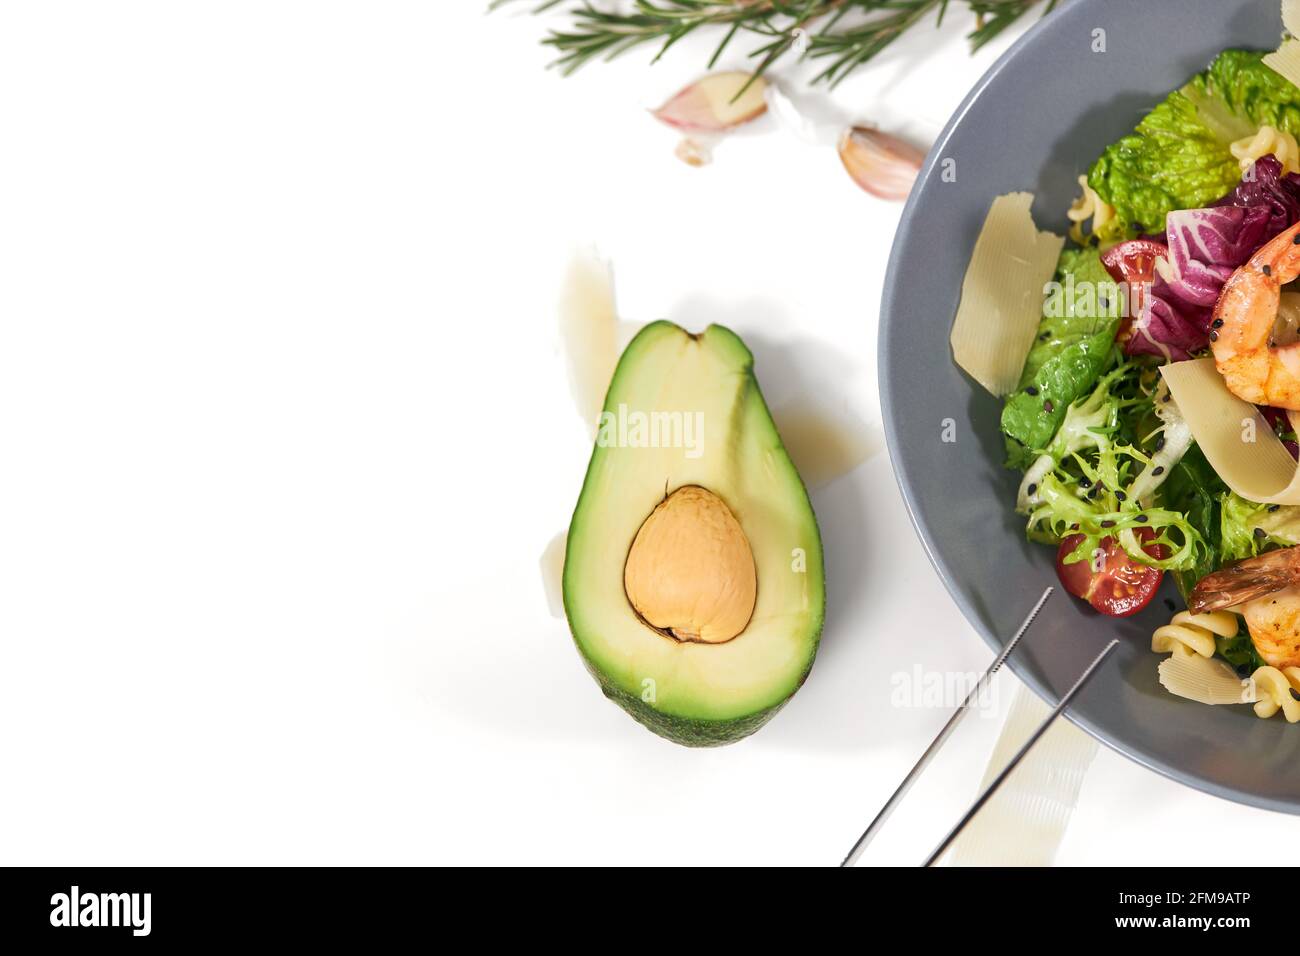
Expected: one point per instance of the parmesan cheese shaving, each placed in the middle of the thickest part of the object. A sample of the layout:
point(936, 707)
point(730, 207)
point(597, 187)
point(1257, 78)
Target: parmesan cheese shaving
point(1286, 60)
point(1002, 294)
point(1024, 822)
point(552, 564)
point(1237, 441)
point(589, 331)
point(1205, 680)
point(1291, 16)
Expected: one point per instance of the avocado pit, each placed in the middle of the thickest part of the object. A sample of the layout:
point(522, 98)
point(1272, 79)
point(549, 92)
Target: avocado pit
point(690, 570)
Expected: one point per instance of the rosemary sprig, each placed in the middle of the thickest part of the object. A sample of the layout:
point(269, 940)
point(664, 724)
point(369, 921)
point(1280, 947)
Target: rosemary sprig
point(994, 16)
point(846, 33)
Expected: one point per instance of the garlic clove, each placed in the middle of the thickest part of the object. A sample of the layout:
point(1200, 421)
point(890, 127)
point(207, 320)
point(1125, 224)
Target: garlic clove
point(711, 104)
point(881, 164)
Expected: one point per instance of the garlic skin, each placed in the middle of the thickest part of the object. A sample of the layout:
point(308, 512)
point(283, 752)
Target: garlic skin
point(695, 151)
point(690, 571)
point(814, 120)
point(881, 164)
point(711, 104)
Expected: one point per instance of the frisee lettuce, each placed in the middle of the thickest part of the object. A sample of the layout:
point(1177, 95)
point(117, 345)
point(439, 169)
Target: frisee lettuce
point(1077, 484)
point(1247, 528)
point(1062, 511)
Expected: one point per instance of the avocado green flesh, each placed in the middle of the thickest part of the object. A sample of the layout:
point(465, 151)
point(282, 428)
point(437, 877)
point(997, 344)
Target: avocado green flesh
point(696, 694)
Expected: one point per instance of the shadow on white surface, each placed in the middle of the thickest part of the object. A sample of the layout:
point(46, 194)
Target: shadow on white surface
point(874, 629)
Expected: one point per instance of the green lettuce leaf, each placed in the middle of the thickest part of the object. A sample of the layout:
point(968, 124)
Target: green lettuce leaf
point(1195, 489)
point(1239, 651)
point(1081, 302)
point(1032, 415)
point(1178, 157)
point(1071, 350)
point(1239, 93)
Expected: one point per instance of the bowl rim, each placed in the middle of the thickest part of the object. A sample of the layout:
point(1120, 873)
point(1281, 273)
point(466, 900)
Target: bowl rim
point(902, 475)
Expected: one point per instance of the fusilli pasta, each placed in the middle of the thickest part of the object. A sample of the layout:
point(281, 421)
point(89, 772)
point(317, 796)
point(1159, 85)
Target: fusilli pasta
point(1268, 140)
point(1190, 633)
point(1089, 206)
point(1273, 688)
point(1189, 636)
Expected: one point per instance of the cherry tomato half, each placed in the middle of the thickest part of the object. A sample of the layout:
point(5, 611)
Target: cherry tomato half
point(1134, 263)
point(1110, 580)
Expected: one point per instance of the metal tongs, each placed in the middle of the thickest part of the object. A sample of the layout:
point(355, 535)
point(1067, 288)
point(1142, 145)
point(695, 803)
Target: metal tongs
point(892, 803)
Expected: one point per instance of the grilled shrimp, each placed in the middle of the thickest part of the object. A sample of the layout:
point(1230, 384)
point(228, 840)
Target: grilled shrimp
point(1254, 367)
point(1274, 624)
point(1265, 590)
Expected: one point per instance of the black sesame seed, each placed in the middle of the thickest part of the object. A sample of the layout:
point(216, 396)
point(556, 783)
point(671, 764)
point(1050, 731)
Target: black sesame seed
point(1264, 269)
point(1108, 523)
point(1214, 336)
point(1261, 533)
point(1160, 442)
point(1295, 694)
point(1217, 324)
point(1142, 519)
point(1158, 470)
point(1048, 406)
point(1032, 489)
point(1031, 390)
point(1120, 495)
point(1296, 239)
point(1274, 507)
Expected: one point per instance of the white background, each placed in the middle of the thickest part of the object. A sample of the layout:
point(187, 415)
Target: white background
point(286, 428)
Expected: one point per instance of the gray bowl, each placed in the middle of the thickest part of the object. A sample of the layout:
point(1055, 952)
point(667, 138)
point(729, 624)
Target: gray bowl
point(1036, 121)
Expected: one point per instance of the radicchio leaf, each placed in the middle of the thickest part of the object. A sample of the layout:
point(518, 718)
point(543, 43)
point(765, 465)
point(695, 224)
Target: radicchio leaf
point(1204, 247)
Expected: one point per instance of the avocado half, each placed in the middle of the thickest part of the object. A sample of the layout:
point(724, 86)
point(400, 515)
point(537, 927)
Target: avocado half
point(685, 412)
